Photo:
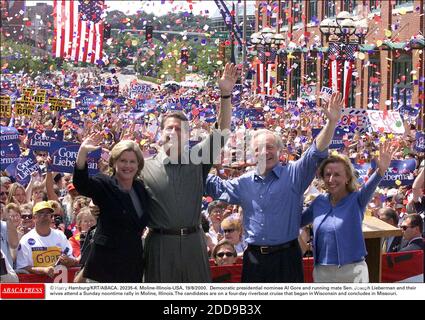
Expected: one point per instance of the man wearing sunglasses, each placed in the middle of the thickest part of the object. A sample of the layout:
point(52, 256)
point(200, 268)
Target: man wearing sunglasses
point(412, 227)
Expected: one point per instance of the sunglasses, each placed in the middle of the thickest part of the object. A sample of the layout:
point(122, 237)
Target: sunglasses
point(228, 230)
point(405, 227)
point(26, 216)
point(4, 193)
point(222, 254)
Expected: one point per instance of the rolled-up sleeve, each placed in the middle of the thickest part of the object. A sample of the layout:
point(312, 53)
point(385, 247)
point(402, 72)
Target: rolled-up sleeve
point(225, 190)
point(303, 171)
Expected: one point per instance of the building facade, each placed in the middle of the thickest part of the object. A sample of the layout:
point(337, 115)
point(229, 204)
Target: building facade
point(388, 72)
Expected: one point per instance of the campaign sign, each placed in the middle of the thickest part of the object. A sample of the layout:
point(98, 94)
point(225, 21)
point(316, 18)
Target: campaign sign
point(337, 141)
point(22, 169)
point(399, 170)
point(353, 119)
point(5, 107)
point(9, 135)
point(64, 93)
point(420, 142)
point(9, 152)
point(139, 88)
point(362, 170)
point(64, 155)
point(40, 141)
point(24, 108)
point(386, 121)
point(58, 104)
point(87, 100)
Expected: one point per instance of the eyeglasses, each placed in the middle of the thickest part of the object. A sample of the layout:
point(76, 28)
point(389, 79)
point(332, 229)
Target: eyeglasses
point(227, 254)
point(228, 230)
point(4, 193)
point(405, 227)
point(26, 216)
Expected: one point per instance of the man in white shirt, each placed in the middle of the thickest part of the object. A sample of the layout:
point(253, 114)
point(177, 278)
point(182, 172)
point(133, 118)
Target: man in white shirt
point(42, 248)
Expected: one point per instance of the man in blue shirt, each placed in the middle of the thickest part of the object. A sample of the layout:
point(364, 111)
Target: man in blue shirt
point(271, 198)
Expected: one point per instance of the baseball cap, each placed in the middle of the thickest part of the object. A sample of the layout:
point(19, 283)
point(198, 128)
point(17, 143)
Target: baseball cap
point(41, 206)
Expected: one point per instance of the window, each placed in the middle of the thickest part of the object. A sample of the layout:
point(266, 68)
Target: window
point(349, 5)
point(374, 81)
point(402, 82)
point(329, 8)
point(296, 78)
point(403, 2)
point(374, 5)
point(274, 16)
point(297, 11)
point(310, 68)
point(312, 14)
point(285, 12)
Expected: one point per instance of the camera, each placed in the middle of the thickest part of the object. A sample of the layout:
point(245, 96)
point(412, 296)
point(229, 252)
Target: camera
point(58, 220)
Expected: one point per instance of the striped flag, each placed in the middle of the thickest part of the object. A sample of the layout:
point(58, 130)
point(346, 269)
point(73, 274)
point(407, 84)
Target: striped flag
point(78, 30)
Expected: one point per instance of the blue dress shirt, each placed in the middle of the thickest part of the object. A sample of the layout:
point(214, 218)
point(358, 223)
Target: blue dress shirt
point(271, 205)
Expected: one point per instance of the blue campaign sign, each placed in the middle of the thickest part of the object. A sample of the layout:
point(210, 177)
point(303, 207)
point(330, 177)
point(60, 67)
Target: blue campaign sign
point(87, 100)
point(362, 170)
point(71, 114)
point(64, 93)
point(64, 155)
point(40, 141)
point(110, 90)
point(337, 141)
point(420, 142)
point(9, 135)
point(399, 170)
point(9, 152)
point(22, 169)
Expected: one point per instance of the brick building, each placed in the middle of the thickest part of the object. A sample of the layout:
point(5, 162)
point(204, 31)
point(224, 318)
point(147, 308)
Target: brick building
point(390, 68)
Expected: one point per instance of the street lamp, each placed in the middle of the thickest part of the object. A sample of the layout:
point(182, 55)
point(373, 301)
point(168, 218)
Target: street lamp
point(266, 41)
point(344, 34)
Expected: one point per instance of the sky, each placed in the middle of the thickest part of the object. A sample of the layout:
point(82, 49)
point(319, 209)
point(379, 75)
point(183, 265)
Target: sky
point(157, 7)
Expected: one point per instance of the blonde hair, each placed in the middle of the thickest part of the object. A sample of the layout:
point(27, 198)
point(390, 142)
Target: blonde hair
point(231, 222)
point(126, 145)
point(12, 189)
point(13, 206)
point(352, 184)
point(84, 213)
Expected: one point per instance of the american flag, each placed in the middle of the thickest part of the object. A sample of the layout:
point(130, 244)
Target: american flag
point(78, 34)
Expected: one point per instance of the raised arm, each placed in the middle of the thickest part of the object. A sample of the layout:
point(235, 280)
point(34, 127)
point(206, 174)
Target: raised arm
point(226, 84)
point(333, 112)
point(386, 153)
point(418, 185)
point(91, 143)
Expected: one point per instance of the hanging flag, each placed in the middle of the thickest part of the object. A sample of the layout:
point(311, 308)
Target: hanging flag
point(78, 30)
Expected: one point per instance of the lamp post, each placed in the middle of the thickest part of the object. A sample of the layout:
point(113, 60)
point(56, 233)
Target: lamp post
point(266, 43)
point(344, 34)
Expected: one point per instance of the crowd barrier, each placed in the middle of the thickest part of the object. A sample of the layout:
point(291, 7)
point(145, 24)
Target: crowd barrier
point(396, 267)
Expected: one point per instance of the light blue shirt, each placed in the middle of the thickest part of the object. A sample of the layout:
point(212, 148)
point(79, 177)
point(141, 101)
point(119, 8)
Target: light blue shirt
point(272, 205)
point(338, 237)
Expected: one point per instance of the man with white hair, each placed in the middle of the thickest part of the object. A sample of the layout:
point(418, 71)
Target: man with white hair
point(272, 198)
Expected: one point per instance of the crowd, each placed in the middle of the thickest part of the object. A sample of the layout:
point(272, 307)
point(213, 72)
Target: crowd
point(266, 191)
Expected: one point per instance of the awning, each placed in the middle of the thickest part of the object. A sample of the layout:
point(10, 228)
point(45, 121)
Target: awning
point(395, 45)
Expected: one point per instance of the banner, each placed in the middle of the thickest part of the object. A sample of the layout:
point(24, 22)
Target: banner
point(64, 155)
point(9, 135)
point(403, 266)
point(420, 142)
point(87, 100)
point(22, 169)
point(24, 108)
point(59, 104)
point(9, 152)
point(399, 170)
point(353, 119)
point(139, 88)
point(337, 141)
point(40, 141)
point(5, 107)
point(37, 96)
point(386, 121)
